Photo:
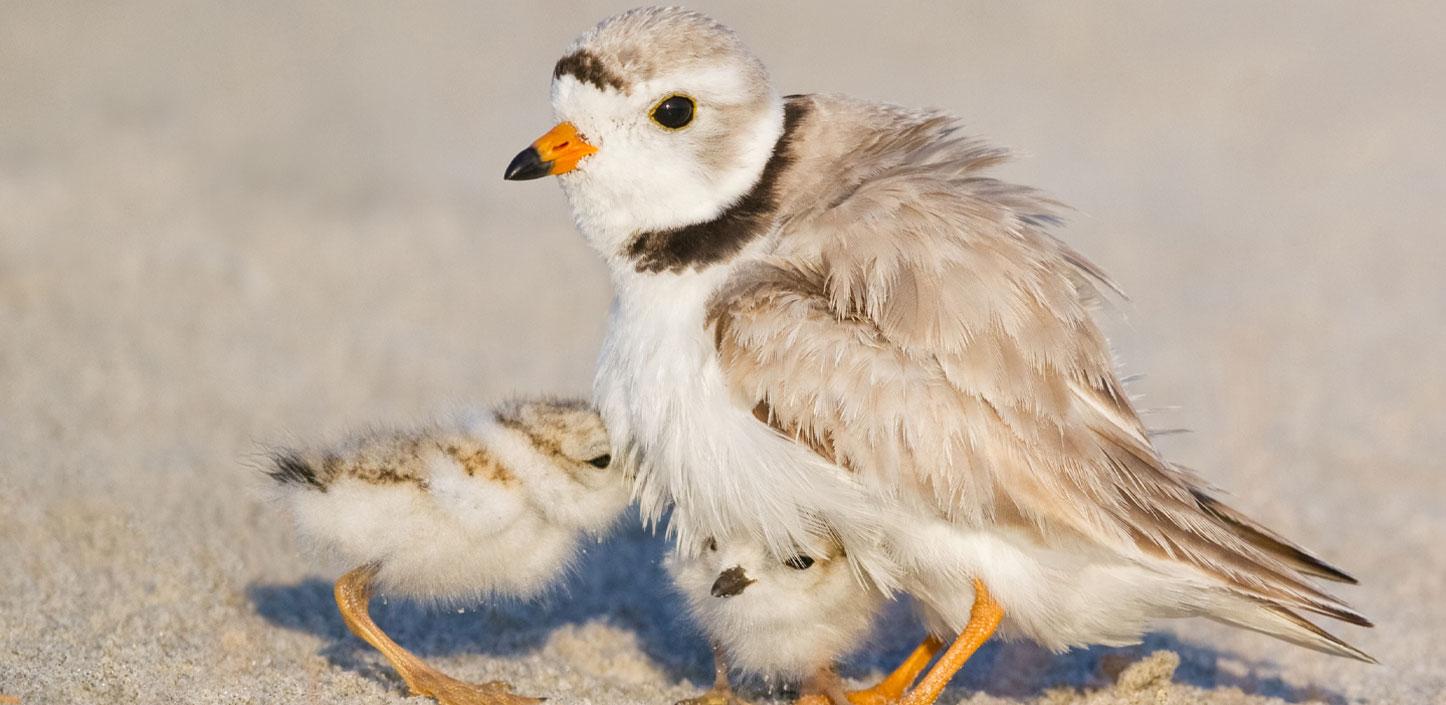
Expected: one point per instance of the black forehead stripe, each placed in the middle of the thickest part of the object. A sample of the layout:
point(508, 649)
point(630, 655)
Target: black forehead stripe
point(587, 68)
point(702, 244)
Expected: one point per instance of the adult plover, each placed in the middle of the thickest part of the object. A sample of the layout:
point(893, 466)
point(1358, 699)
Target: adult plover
point(495, 504)
point(831, 324)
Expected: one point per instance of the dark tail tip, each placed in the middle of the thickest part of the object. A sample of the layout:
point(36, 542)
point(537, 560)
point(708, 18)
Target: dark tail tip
point(289, 468)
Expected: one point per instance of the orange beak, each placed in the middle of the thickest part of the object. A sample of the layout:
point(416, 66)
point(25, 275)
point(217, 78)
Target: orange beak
point(556, 152)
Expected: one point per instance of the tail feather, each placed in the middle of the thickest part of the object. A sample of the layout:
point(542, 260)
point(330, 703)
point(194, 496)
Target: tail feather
point(1271, 543)
point(290, 468)
point(1257, 576)
point(1281, 623)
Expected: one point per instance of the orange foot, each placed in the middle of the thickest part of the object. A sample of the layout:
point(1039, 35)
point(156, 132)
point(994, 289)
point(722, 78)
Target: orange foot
point(870, 696)
point(450, 691)
point(887, 691)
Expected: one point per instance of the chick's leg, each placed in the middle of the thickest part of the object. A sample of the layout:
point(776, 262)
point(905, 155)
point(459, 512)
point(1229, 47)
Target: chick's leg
point(722, 692)
point(353, 597)
point(984, 618)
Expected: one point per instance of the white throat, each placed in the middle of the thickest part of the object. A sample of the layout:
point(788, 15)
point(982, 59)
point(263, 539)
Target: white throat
point(611, 204)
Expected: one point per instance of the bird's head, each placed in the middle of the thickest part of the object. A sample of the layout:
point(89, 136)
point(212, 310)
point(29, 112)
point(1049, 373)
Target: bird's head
point(743, 574)
point(665, 120)
point(775, 615)
point(570, 474)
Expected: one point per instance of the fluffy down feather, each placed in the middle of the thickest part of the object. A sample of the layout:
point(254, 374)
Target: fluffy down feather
point(495, 503)
point(788, 618)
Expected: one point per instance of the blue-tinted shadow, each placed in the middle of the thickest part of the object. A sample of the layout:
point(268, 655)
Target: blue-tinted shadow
point(621, 582)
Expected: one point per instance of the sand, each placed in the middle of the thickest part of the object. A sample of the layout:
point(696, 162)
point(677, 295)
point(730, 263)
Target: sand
point(228, 225)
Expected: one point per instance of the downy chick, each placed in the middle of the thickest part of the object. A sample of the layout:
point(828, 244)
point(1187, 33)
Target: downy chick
point(791, 618)
point(493, 504)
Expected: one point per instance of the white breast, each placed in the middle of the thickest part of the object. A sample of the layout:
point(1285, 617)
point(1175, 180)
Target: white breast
point(664, 396)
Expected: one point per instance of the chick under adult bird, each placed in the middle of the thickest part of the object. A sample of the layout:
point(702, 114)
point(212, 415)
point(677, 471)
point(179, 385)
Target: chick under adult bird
point(789, 618)
point(831, 324)
point(494, 504)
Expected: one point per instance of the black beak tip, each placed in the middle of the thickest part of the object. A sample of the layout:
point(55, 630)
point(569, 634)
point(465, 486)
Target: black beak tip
point(731, 582)
point(527, 165)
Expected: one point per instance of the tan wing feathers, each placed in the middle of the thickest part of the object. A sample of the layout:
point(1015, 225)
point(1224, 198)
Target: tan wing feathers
point(1178, 528)
point(1272, 543)
point(1186, 517)
point(918, 323)
point(1319, 639)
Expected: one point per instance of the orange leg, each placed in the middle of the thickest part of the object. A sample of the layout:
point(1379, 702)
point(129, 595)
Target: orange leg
point(892, 687)
point(824, 687)
point(353, 597)
point(984, 618)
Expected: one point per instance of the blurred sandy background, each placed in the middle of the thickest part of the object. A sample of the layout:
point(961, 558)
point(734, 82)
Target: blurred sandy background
point(230, 224)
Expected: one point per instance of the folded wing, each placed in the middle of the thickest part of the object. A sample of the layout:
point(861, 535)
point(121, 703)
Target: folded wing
point(922, 329)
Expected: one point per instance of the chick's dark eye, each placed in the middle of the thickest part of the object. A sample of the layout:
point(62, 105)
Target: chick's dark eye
point(674, 112)
point(601, 461)
point(710, 544)
point(799, 562)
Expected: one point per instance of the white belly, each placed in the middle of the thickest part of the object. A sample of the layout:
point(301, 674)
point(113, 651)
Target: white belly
point(698, 448)
point(1061, 597)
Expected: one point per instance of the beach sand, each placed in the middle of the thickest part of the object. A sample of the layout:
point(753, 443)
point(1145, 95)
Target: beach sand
point(230, 225)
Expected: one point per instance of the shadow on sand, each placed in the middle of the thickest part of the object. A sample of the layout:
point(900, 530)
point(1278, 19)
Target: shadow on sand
point(621, 582)
point(1021, 669)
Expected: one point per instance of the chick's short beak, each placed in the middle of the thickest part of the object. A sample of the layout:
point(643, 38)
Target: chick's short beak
point(731, 582)
point(556, 152)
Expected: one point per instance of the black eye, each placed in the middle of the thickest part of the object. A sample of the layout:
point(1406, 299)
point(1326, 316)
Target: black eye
point(601, 461)
point(710, 544)
point(674, 112)
point(799, 562)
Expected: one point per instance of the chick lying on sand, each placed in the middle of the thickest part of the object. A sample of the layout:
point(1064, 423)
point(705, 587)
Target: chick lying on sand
point(496, 504)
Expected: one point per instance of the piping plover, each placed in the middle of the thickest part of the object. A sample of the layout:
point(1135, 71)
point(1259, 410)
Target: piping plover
point(828, 314)
point(789, 618)
point(496, 504)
